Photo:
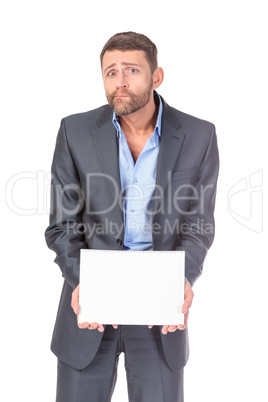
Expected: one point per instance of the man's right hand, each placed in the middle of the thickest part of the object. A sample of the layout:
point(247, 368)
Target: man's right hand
point(75, 307)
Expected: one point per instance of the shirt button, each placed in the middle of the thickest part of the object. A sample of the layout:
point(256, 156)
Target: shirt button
point(132, 211)
point(129, 240)
point(135, 180)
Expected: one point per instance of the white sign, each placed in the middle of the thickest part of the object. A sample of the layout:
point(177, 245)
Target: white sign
point(131, 287)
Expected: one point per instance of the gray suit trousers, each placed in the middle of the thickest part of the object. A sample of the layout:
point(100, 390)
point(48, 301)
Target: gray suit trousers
point(149, 378)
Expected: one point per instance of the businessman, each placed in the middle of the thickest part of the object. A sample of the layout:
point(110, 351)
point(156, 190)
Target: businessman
point(135, 174)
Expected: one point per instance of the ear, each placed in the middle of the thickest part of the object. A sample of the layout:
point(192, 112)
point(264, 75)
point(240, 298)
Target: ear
point(158, 76)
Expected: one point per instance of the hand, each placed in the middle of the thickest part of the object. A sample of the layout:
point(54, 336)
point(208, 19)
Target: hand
point(75, 307)
point(188, 299)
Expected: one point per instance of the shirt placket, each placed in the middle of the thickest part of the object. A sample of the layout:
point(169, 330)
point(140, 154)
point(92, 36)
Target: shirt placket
point(136, 195)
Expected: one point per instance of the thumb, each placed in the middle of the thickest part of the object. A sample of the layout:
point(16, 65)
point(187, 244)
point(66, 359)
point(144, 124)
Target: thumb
point(75, 300)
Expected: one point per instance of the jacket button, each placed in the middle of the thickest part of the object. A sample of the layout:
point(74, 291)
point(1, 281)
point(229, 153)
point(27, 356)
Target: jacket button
point(119, 242)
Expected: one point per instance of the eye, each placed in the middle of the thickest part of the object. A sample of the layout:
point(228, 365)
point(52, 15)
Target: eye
point(111, 74)
point(132, 70)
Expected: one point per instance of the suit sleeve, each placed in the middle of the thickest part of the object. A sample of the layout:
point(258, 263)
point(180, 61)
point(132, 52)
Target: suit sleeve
point(64, 234)
point(198, 228)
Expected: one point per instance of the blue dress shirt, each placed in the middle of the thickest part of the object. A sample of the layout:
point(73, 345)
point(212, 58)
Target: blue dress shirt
point(137, 186)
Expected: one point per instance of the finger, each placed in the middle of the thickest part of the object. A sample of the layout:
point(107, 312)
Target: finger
point(93, 325)
point(172, 328)
point(187, 302)
point(115, 326)
point(97, 326)
point(183, 326)
point(185, 307)
point(100, 328)
point(83, 325)
point(165, 329)
point(150, 326)
point(186, 315)
point(188, 295)
point(76, 307)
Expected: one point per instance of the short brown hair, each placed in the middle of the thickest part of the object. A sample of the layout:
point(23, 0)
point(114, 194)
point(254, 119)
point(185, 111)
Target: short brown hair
point(132, 41)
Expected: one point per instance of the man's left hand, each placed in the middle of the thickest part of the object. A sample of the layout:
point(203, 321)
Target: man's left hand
point(188, 299)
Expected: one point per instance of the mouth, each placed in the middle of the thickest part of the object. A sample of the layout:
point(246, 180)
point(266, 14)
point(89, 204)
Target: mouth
point(121, 96)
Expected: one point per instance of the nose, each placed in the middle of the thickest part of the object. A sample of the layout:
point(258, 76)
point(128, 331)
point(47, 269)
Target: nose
point(121, 81)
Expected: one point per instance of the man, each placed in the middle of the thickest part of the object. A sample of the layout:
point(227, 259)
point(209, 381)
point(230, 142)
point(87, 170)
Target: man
point(140, 145)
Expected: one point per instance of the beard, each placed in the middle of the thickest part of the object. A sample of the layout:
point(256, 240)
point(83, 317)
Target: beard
point(134, 102)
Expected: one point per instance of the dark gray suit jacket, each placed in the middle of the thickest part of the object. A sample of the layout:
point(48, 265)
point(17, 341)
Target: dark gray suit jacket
point(86, 210)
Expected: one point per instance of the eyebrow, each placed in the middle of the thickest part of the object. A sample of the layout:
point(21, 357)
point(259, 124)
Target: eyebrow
point(123, 63)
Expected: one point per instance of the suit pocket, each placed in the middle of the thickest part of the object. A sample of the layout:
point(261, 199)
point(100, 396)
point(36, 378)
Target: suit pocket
point(183, 174)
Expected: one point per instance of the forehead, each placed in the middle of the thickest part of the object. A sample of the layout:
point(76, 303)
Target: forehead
point(118, 57)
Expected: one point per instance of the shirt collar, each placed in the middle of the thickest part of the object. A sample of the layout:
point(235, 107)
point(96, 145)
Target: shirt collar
point(158, 121)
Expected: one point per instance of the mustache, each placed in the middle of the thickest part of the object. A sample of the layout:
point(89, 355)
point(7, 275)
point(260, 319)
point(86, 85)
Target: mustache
point(121, 92)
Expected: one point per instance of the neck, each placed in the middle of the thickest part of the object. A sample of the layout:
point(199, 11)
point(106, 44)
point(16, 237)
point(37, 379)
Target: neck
point(141, 122)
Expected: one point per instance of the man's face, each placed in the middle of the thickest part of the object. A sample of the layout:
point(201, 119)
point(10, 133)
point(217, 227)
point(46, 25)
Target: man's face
point(128, 80)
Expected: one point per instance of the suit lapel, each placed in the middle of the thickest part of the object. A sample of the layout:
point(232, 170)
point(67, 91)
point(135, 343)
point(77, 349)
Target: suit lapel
point(106, 143)
point(170, 146)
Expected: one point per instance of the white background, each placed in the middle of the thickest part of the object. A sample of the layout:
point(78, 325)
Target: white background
point(214, 54)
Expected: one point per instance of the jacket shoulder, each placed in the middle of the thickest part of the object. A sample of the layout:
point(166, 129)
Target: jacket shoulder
point(88, 119)
point(192, 123)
